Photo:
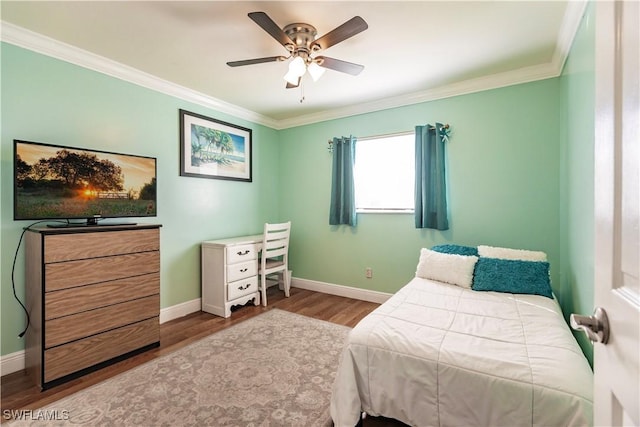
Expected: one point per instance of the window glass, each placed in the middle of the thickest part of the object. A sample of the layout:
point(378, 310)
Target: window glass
point(384, 173)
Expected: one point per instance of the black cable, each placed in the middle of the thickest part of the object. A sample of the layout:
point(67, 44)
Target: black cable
point(13, 269)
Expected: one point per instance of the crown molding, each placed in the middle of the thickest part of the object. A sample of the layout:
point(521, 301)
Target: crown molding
point(494, 81)
point(570, 24)
point(47, 46)
point(39, 43)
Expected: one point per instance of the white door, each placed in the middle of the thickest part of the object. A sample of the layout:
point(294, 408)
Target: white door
point(617, 212)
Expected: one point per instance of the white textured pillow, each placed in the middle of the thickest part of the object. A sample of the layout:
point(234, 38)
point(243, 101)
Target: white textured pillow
point(448, 268)
point(514, 254)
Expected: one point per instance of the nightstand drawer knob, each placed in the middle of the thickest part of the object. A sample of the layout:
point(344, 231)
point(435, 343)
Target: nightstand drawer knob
point(243, 252)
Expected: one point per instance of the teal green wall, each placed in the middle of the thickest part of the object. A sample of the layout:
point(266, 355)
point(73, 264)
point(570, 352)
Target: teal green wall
point(503, 170)
point(577, 175)
point(519, 168)
point(48, 100)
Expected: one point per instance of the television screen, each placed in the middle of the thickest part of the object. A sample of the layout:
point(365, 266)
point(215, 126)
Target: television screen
point(57, 182)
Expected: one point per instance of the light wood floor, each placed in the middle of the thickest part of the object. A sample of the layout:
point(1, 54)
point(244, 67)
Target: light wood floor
point(17, 392)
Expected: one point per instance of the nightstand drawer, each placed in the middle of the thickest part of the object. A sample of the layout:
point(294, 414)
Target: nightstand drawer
point(242, 287)
point(241, 253)
point(241, 270)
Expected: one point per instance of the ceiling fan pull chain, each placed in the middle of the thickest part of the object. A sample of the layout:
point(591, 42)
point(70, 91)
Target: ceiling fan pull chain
point(301, 92)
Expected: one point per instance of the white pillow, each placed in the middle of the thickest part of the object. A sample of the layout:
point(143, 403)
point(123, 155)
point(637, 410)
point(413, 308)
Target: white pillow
point(448, 268)
point(514, 254)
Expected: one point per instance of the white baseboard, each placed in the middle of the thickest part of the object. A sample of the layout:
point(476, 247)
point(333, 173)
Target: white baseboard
point(342, 291)
point(11, 363)
point(179, 310)
point(14, 362)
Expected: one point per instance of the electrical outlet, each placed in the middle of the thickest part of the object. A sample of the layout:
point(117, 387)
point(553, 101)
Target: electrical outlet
point(368, 272)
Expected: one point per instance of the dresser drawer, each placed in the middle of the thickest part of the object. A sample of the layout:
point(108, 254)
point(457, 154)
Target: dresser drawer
point(65, 247)
point(241, 270)
point(242, 287)
point(74, 300)
point(62, 275)
point(241, 253)
point(65, 329)
point(72, 357)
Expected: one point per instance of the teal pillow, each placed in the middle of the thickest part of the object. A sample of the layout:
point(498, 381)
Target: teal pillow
point(516, 277)
point(456, 249)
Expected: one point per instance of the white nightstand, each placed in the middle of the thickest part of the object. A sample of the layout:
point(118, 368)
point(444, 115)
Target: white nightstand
point(230, 273)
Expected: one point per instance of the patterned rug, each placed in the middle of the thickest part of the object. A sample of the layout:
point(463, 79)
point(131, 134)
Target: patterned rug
point(275, 369)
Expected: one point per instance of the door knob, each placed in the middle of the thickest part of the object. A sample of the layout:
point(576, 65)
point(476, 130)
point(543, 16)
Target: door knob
point(596, 327)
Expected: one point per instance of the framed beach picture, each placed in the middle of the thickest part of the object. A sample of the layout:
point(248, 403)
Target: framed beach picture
point(211, 148)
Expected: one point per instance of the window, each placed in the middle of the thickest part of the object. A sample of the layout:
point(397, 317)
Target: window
point(384, 173)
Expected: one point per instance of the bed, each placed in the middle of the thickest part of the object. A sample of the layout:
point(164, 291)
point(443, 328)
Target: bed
point(441, 354)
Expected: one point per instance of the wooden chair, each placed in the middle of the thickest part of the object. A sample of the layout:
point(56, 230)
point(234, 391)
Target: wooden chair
point(274, 257)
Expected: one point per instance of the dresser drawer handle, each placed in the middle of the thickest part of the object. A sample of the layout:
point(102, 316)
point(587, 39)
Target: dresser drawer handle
point(242, 288)
point(243, 252)
point(242, 270)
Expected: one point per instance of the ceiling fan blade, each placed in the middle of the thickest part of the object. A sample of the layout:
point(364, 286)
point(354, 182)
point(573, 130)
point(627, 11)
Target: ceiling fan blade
point(290, 86)
point(339, 65)
point(267, 24)
point(255, 61)
point(349, 29)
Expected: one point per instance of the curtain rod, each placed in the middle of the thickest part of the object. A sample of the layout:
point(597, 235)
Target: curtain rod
point(387, 135)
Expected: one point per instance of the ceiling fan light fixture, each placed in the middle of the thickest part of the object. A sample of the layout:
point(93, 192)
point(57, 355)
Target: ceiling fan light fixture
point(315, 71)
point(297, 66)
point(291, 78)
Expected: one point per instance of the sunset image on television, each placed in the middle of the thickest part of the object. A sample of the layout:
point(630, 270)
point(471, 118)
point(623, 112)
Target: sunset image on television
point(62, 182)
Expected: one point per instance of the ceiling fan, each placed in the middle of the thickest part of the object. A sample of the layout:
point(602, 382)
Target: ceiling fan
point(300, 41)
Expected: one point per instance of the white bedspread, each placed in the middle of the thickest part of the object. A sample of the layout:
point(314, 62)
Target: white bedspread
point(440, 355)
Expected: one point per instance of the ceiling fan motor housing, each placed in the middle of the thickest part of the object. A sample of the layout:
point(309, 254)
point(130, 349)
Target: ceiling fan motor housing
point(302, 35)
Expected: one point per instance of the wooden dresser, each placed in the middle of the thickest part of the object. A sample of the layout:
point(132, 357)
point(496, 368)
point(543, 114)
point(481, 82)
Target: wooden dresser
point(230, 273)
point(93, 297)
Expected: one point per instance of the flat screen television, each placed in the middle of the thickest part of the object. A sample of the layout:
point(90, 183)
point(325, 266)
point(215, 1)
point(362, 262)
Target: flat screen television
point(54, 182)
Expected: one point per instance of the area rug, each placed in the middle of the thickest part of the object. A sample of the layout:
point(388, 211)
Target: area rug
point(275, 369)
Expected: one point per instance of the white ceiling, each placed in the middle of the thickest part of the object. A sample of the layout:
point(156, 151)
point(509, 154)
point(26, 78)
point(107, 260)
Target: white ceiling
point(412, 51)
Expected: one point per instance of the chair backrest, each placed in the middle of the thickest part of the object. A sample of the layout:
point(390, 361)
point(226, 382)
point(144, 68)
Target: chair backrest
point(275, 242)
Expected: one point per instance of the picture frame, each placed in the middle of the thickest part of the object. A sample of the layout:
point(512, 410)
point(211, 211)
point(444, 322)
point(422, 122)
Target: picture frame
point(211, 148)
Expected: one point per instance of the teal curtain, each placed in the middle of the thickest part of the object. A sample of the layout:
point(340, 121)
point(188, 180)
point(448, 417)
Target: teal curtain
point(431, 189)
point(343, 202)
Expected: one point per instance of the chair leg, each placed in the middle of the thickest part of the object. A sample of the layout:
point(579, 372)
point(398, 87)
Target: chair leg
point(263, 290)
point(287, 283)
